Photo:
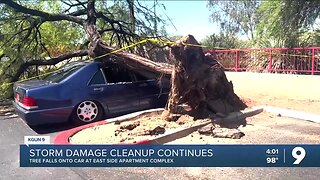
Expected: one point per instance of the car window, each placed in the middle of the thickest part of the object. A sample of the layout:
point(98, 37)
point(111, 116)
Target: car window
point(63, 73)
point(116, 74)
point(139, 77)
point(97, 78)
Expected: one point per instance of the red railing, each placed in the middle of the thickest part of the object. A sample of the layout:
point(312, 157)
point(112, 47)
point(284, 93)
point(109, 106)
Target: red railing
point(284, 60)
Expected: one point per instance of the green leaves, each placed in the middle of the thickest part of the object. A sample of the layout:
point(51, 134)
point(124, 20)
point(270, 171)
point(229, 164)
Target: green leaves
point(38, 30)
point(222, 41)
point(60, 37)
point(235, 17)
point(271, 23)
point(282, 22)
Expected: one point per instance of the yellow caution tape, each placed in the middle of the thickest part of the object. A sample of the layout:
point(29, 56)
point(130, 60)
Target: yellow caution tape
point(159, 41)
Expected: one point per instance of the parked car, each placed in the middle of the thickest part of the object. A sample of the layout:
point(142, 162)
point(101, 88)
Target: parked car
point(86, 92)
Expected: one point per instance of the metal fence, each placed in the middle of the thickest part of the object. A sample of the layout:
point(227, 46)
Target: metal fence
point(281, 60)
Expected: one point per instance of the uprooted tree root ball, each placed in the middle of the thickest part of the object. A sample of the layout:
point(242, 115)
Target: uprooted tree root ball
point(199, 81)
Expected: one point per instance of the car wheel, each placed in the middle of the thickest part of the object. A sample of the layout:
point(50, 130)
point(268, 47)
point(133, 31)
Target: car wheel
point(87, 112)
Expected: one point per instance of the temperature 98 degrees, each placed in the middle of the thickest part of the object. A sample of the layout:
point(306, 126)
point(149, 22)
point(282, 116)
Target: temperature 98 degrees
point(299, 154)
point(272, 156)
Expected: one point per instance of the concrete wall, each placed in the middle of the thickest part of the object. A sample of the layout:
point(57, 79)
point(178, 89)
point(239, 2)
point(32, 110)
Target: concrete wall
point(299, 87)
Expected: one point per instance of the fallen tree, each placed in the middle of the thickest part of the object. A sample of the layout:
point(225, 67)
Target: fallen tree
point(197, 80)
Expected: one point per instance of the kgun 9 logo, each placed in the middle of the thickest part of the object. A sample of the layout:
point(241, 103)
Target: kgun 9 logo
point(299, 153)
point(36, 140)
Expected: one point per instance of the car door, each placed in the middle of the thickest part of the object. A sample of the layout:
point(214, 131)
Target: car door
point(117, 92)
point(153, 94)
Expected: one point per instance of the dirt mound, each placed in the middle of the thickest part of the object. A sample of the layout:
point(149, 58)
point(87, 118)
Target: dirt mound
point(150, 126)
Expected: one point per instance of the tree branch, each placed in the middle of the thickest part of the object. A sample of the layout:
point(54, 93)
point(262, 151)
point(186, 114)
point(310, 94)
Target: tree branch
point(58, 59)
point(45, 16)
point(91, 29)
point(1, 56)
point(78, 13)
point(82, 3)
point(74, 5)
point(118, 27)
point(51, 61)
point(137, 61)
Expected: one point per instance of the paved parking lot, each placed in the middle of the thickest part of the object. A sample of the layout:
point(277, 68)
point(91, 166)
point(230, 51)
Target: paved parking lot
point(14, 129)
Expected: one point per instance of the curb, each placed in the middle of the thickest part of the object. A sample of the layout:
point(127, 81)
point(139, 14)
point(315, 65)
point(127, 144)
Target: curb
point(236, 116)
point(63, 137)
point(293, 114)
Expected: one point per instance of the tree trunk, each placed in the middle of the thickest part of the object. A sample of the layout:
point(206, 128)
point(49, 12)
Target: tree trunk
point(197, 80)
point(98, 49)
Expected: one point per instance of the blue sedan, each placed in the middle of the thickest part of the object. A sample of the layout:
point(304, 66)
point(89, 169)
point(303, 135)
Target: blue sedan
point(86, 92)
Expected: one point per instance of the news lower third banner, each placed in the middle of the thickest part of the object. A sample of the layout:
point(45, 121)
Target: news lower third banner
point(170, 155)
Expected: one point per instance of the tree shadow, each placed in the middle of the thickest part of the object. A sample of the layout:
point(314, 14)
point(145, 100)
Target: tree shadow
point(231, 121)
point(233, 124)
point(53, 128)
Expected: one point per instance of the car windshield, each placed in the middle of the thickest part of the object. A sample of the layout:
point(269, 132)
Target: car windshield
point(63, 73)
